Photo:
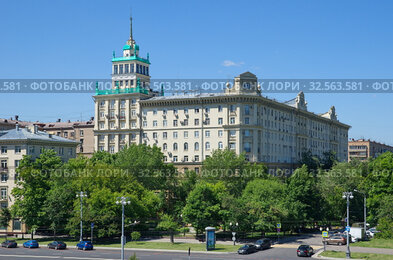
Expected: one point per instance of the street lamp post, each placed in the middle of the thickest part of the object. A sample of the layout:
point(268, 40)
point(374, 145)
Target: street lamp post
point(81, 195)
point(183, 224)
point(234, 233)
point(348, 195)
point(123, 201)
point(364, 208)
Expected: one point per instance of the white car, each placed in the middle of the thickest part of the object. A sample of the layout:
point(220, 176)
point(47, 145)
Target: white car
point(371, 232)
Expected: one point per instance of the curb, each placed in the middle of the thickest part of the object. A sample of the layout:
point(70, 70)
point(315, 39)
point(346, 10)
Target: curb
point(163, 250)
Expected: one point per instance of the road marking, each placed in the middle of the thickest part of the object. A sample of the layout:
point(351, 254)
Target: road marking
point(57, 257)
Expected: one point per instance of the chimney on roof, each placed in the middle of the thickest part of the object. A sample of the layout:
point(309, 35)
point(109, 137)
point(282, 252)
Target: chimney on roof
point(92, 118)
point(69, 121)
point(35, 128)
point(58, 120)
point(17, 126)
point(16, 117)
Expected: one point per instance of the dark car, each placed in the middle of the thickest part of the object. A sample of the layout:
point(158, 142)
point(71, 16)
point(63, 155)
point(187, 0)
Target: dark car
point(264, 243)
point(31, 244)
point(84, 245)
point(305, 250)
point(247, 249)
point(336, 240)
point(57, 245)
point(9, 244)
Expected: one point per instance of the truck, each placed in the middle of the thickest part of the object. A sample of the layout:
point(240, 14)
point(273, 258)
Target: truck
point(357, 234)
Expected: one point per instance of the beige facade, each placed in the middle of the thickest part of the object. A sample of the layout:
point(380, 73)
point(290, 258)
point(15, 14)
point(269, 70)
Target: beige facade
point(363, 149)
point(6, 124)
point(16, 143)
point(188, 128)
point(80, 131)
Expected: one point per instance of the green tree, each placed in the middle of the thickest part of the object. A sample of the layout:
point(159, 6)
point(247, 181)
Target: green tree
point(385, 217)
point(302, 196)
point(264, 202)
point(232, 169)
point(204, 205)
point(378, 184)
point(33, 186)
point(146, 165)
point(59, 203)
point(331, 185)
point(5, 218)
point(311, 161)
point(104, 183)
point(169, 224)
point(328, 160)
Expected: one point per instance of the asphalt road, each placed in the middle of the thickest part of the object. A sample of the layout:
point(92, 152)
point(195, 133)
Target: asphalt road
point(100, 254)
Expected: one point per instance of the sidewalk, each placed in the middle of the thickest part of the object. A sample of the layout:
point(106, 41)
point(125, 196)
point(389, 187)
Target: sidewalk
point(190, 241)
point(163, 250)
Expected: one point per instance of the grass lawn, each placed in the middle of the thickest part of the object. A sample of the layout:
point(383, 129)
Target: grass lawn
point(376, 242)
point(357, 255)
point(141, 244)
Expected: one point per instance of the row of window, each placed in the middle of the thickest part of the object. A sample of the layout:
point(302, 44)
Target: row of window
point(16, 224)
point(4, 163)
point(112, 103)
point(155, 135)
point(196, 146)
point(185, 122)
point(130, 68)
point(60, 150)
point(17, 149)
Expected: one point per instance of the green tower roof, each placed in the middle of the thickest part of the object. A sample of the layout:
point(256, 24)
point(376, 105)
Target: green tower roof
point(126, 47)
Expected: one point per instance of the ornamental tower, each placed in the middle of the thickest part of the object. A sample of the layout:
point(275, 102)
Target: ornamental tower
point(131, 71)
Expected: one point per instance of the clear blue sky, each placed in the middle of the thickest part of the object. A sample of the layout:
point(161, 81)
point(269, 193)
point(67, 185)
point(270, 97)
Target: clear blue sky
point(192, 39)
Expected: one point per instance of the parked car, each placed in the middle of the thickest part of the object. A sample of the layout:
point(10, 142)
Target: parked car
point(264, 243)
point(57, 245)
point(339, 239)
point(9, 244)
point(84, 245)
point(31, 244)
point(305, 250)
point(247, 249)
point(371, 232)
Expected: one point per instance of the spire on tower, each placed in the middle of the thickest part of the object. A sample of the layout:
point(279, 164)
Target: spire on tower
point(131, 28)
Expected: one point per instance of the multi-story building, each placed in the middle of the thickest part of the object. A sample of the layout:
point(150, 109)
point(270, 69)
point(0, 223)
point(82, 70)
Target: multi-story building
point(362, 149)
point(10, 123)
point(189, 127)
point(80, 131)
point(14, 145)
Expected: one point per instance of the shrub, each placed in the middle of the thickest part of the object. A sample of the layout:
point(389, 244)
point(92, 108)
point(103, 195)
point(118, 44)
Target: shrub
point(135, 236)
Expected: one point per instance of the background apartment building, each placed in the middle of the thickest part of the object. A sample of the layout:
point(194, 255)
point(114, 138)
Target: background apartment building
point(9, 123)
point(188, 128)
point(80, 131)
point(363, 149)
point(16, 143)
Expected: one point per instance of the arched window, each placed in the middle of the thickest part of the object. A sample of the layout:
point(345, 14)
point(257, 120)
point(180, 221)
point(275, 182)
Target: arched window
point(164, 147)
point(186, 146)
point(220, 145)
point(196, 146)
point(207, 146)
point(175, 147)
